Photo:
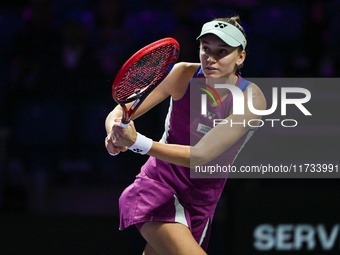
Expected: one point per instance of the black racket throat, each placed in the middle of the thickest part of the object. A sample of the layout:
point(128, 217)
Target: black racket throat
point(137, 101)
point(126, 122)
point(127, 113)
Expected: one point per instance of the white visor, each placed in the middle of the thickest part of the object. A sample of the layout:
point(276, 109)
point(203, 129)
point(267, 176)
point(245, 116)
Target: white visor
point(227, 32)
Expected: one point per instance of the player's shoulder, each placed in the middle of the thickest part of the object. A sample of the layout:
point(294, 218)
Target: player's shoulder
point(186, 68)
point(179, 79)
point(259, 99)
point(255, 88)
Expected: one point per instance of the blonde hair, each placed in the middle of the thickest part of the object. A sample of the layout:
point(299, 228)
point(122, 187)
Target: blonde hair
point(235, 21)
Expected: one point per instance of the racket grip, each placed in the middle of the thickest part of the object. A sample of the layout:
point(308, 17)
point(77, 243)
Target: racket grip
point(124, 125)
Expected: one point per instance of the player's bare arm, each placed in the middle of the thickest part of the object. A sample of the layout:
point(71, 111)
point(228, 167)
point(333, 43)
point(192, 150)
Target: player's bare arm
point(223, 136)
point(205, 150)
point(174, 85)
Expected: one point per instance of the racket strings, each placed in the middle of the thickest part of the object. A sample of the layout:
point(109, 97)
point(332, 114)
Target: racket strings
point(146, 72)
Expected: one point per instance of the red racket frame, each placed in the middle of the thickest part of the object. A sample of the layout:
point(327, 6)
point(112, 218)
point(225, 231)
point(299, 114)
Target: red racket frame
point(127, 113)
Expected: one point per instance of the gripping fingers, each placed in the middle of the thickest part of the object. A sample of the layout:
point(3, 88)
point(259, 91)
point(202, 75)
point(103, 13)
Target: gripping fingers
point(110, 147)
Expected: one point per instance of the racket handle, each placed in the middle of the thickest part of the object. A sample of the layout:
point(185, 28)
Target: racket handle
point(124, 125)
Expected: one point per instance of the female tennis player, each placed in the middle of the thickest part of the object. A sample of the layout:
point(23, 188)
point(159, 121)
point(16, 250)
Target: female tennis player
point(172, 211)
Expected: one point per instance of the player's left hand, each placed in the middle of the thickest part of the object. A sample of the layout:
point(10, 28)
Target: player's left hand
point(111, 148)
point(123, 137)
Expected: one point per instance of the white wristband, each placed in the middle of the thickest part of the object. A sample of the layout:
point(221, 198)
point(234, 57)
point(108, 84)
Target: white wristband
point(142, 144)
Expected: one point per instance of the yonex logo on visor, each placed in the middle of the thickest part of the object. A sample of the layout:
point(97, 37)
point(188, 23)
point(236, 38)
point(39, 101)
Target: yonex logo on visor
point(221, 25)
point(227, 32)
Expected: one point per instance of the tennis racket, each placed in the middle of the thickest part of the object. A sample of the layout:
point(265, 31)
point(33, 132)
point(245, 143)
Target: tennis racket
point(142, 73)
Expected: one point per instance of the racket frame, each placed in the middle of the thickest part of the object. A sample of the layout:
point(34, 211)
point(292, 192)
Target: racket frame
point(138, 98)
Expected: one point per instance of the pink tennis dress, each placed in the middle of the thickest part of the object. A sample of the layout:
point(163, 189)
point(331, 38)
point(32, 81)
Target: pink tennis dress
point(165, 192)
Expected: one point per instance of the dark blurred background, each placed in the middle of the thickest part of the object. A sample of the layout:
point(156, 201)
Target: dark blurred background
point(59, 188)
